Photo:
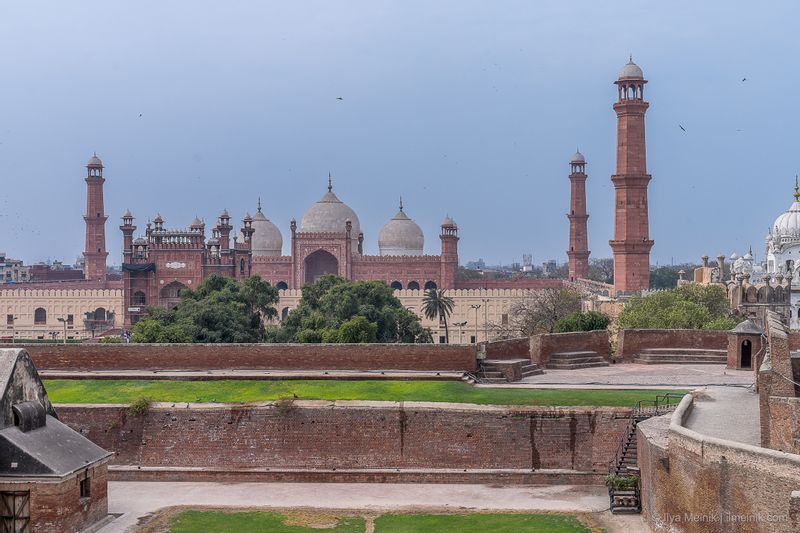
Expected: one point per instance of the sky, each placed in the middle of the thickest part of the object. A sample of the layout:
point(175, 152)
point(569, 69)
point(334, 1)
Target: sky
point(471, 109)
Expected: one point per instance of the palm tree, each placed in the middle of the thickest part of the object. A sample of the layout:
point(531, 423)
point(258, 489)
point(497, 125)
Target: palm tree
point(437, 303)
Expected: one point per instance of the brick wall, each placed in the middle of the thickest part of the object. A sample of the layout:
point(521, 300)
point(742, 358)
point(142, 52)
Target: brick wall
point(509, 349)
point(330, 435)
point(630, 342)
point(784, 431)
point(697, 484)
point(57, 505)
point(253, 356)
point(544, 345)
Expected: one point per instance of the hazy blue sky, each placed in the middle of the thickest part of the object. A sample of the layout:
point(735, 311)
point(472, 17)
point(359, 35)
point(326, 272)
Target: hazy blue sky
point(466, 108)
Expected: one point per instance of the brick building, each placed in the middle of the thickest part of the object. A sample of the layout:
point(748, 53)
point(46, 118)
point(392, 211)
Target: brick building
point(578, 252)
point(51, 477)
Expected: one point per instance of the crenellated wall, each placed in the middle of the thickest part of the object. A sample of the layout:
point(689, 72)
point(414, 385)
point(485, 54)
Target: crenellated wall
point(630, 342)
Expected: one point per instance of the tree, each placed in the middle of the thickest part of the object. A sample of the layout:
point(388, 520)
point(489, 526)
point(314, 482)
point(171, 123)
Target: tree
point(329, 305)
point(666, 277)
point(436, 303)
point(602, 270)
point(588, 321)
point(220, 309)
point(539, 312)
point(690, 306)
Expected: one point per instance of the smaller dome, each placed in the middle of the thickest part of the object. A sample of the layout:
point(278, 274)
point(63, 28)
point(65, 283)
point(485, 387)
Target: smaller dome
point(224, 214)
point(196, 223)
point(158, 219)
point(247, 217)
point(449, 222)
point(734, 256)
point(748, 256)
point(127, 214)
point(94, 161)
point(631, 70)
point(401, 236)
point(267, 239)
point(578, 158)
point(140, 241)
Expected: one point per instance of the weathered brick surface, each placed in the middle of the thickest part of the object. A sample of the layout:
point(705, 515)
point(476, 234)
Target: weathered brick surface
point(544, 345)
point(509, 349)
point(630, 342)
point(253, 356)
point(328, 435)
point(56, 507)
point(784, 433)
point(701, 485)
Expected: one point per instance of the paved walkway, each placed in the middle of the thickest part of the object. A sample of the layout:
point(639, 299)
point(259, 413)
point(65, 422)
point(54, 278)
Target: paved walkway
point(134, 500)
point(635, 374)
point(727, 413)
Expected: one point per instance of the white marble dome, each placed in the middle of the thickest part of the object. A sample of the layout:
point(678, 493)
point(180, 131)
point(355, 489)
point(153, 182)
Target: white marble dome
point(578, 158)
point(401, 236)
point(94, 161)
point(788, 224)
point(267, 238)
point(330, 215)
point(631, 70)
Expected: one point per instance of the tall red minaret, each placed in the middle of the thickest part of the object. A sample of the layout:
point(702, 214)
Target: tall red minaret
point(631, 244)
point(578, 252)
point(94, 253)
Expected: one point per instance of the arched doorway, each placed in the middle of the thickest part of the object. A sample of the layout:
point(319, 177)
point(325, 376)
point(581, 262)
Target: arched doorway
point(413, 285)
point(320, 263)
point(282, 286)
point(396, 285)
point(747, 354)
point(430, 285)
point(171, 294)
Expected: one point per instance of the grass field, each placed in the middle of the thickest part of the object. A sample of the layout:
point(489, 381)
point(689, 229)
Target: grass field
point(126, 391)
point(269, 522)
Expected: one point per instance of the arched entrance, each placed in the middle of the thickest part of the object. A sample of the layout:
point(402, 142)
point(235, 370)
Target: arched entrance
point(320, 263)
point(747, 354)
point(171, 294)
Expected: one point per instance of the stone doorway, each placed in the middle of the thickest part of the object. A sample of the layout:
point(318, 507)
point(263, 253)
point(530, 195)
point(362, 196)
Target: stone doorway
point(747, 354)
point(320, 263)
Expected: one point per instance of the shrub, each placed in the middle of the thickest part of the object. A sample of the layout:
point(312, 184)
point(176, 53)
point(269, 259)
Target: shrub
point(111, 339)
point(140, 406)
point(284, 405)
point(588, 321)
point(618, 482)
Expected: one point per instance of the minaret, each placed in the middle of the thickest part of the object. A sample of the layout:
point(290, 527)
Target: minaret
point(94, 253)
point(631, 244)
point(578, 252)
point(449, 259)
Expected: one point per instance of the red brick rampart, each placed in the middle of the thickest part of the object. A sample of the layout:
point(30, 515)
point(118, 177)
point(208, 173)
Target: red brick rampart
point(630, 342)
point(519, 348)
point(108, 357)
point(322, 438)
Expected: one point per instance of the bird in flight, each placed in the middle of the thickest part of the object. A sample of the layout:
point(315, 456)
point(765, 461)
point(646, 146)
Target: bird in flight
point(681, 127)
point(339, 98)
point(744, 79)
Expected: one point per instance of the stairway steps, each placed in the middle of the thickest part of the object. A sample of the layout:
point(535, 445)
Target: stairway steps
point(567, 366)
point(575, 360)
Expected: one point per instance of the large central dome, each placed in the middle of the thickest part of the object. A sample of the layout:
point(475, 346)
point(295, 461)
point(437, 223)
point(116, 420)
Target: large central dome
point(401, 236)
point(330, 215)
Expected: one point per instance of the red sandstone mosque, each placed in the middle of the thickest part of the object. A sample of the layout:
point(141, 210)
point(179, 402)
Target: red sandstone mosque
point(161, 262)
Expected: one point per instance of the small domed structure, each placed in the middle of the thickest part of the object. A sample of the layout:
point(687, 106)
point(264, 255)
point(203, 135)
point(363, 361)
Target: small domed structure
point(401, 236)
point(578, 158)
point(330, 215)
point(449, 222)
point(267, 239)
point(94, 161)
point(631, 71)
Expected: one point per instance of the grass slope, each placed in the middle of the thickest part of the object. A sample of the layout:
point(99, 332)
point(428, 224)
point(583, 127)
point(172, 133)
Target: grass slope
point(126, 391)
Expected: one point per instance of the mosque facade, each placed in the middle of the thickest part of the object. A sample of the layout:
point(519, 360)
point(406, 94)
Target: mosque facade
point(163, 262)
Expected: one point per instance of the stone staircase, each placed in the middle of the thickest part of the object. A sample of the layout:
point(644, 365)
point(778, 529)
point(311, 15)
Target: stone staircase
point(654, 356)
point(575, 360)
point(507, 370)
point(625, 463)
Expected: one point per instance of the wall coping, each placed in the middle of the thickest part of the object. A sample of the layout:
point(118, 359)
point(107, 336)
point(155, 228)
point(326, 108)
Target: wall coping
point(683, 410)
point(119, 345)
point(371, 404)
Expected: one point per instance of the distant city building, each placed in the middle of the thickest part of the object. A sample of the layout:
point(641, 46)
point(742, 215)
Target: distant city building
point(12, 270)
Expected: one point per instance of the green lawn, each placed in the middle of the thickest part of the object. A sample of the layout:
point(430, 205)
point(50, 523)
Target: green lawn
point(461, 523)
point(269, 522)
point(126, 391)
point(252, 522)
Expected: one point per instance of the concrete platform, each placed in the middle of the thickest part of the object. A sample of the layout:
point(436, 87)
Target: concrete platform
point(726, 413)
